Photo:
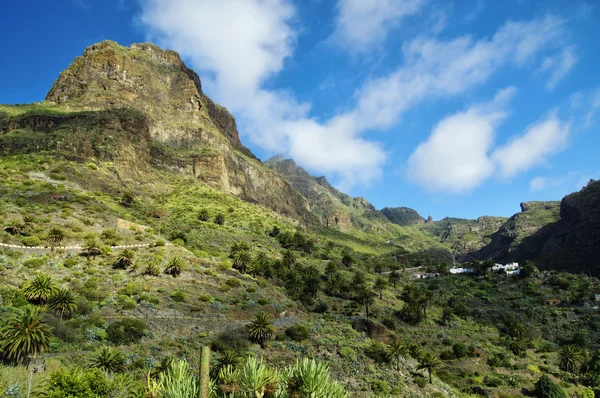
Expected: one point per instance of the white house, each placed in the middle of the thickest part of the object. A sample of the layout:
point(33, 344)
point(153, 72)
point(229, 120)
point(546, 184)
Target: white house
point(513, 272)
point(507, 267)
point(425, 276)
point(455, 271)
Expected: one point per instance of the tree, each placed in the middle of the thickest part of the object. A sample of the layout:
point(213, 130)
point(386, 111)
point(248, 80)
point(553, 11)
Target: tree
point(174, 267)
point(203, 215)
point(62, 302)
point(55, 236)
point(15, 227)
point(528, 270)
point(311, 278)
point(109, 360)
point(261, 265)
point(91, 248)
point(570, 358)
point(220, 219)
point(396, 351)
point(347, 260)
point(24, 334)
point(447, 316)
point(394, 278)
point(28, 221)
point(379, 286)
point(124, 260)
point(294, 282)
point(127, 199)
point(261, 328)
point(241, 260)
point(366, 298)
point(546, 388)
point(39, 289)
point(429, 362)
point(288, 258)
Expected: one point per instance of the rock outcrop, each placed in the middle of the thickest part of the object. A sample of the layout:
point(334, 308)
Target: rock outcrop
point(188, 131)
point(402, 215)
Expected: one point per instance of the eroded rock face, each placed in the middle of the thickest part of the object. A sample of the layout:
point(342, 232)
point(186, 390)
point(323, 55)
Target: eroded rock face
point(402, 215)
point(339, 220)
point(189, 132)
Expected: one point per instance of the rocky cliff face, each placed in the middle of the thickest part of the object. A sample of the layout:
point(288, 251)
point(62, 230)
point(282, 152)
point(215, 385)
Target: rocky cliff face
point(188, 131)
point(572, 242)
point(334, 208)
point(402, 215)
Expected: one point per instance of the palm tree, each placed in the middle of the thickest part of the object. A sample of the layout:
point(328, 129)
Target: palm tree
point(55, 236)
point(447, 316)
point(293, 282)
point(288, 258)
point(203, 215)
point(335, 283)
point(379, 286)
point(570, 358)
point(91, 248)
point(429, 362)
point(261, 265)
point(366, 298)
point(14, 227)
point(394, 278)
point(397, 350)
point(109, 360)
point(174, 267)
point(124, 259)
point(261, 328)
point(24, 334)
point(241, 260)
point(39, 289)
point(62, 302)
point(220, 219)
point(28, 221)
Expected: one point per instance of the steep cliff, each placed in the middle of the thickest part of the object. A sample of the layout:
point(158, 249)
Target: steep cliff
point(182, 129)
point(334, 208)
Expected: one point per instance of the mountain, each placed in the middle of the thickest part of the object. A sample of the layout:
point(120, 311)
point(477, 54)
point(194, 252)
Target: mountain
point(162, 112)
point(570, 242)
point(334, 208)
point(403, 215)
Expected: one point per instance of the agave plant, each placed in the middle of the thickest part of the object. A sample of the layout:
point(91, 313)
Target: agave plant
point(174, 267)
point(261, 328)
point(125, 386)
point(178, 381)
point(24, 334)
point(39, 289)
point(62, 302)
point(256, 379)
point(108, 359)
point(310, 378)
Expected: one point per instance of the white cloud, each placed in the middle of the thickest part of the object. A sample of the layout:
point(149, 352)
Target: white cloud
point(534, 147)
point(237, 45)
point(455, 157)
point(539, 183)
point(559, 65)
point(361, 25)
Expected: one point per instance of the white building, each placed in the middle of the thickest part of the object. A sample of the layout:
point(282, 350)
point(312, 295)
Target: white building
point(455, 271)
point(513, 272)
point(507, 267)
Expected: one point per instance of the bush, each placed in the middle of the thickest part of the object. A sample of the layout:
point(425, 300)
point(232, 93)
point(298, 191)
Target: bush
point(297, 332)
point(31, 241)
point(377, 352)
point(492, 381)
point(380, 387)
point(178, 296)
point(231, 340)
point(460, 350)
point(126, 331)
point(233, 282)
point(321, 307)
point(546, 388)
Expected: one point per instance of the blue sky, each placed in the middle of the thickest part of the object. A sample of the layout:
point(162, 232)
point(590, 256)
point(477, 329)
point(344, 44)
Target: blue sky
point(454, 108)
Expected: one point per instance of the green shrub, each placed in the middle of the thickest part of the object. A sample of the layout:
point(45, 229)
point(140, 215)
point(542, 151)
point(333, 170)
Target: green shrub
point(233, 282)
point(380, 387)
point(126, 331)
point(34, 262)
point(70, 262)
point(546, 388)
point(263, 301)
point(348, 353)
point(297, 332)
point(31, 241)
point(231, 340)
point(377, 351)
point(492, 381)
point(205, 298)
point(178, 296)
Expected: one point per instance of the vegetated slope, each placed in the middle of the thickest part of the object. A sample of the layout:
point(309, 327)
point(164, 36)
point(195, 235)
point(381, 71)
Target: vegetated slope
point(571, 243)
point(520, 231)
point(463, 236)
point(403, 215)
